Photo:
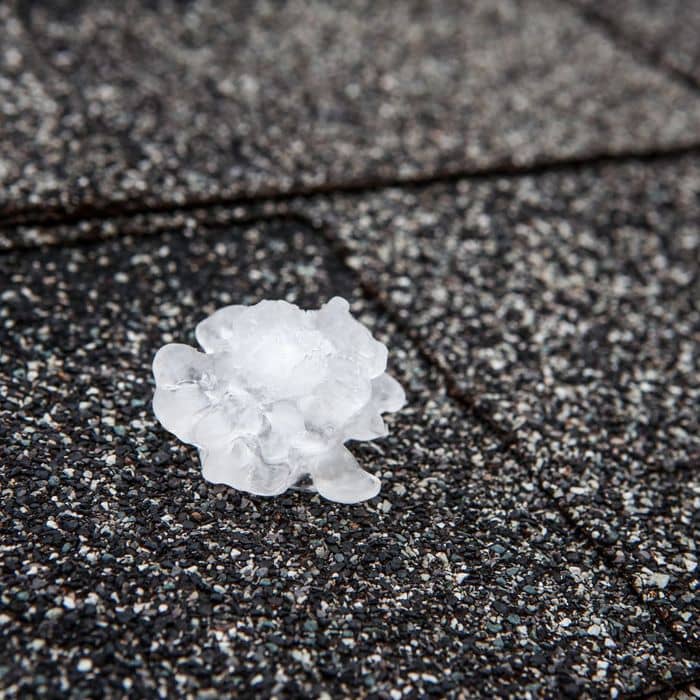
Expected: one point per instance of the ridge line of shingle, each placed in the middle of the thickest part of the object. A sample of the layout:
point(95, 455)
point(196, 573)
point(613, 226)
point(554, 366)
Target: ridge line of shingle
point(53, 216)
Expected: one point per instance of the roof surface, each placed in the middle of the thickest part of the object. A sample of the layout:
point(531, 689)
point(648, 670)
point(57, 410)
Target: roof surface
point(509, 195)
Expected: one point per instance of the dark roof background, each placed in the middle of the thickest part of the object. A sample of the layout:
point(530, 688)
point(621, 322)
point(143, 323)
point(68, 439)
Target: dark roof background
point(509, 195)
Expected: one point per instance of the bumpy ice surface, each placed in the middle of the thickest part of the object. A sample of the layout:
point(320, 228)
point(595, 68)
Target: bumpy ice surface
point(275, 394)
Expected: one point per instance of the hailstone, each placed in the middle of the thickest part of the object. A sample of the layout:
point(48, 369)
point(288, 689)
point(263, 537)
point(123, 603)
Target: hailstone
point(276, 394)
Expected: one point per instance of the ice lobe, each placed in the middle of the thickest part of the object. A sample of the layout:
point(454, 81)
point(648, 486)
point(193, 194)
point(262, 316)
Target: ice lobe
point(276, 394)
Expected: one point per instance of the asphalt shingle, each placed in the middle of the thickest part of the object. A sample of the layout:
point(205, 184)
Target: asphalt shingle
point(162, 102)
point(668, 30)
point(538, 526)
point(122, 569)
point(565, 307)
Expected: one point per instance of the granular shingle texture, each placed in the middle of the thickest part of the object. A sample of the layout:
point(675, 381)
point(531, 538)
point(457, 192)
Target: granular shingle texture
point(509, 195)
point(122, 569)
point(667, 30)
point(173, 101)
point(566, 307)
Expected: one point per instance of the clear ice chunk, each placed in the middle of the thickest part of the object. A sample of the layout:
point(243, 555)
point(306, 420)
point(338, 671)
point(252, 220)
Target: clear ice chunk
point(275, 395)
point(338, 477)
point(178, 409)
